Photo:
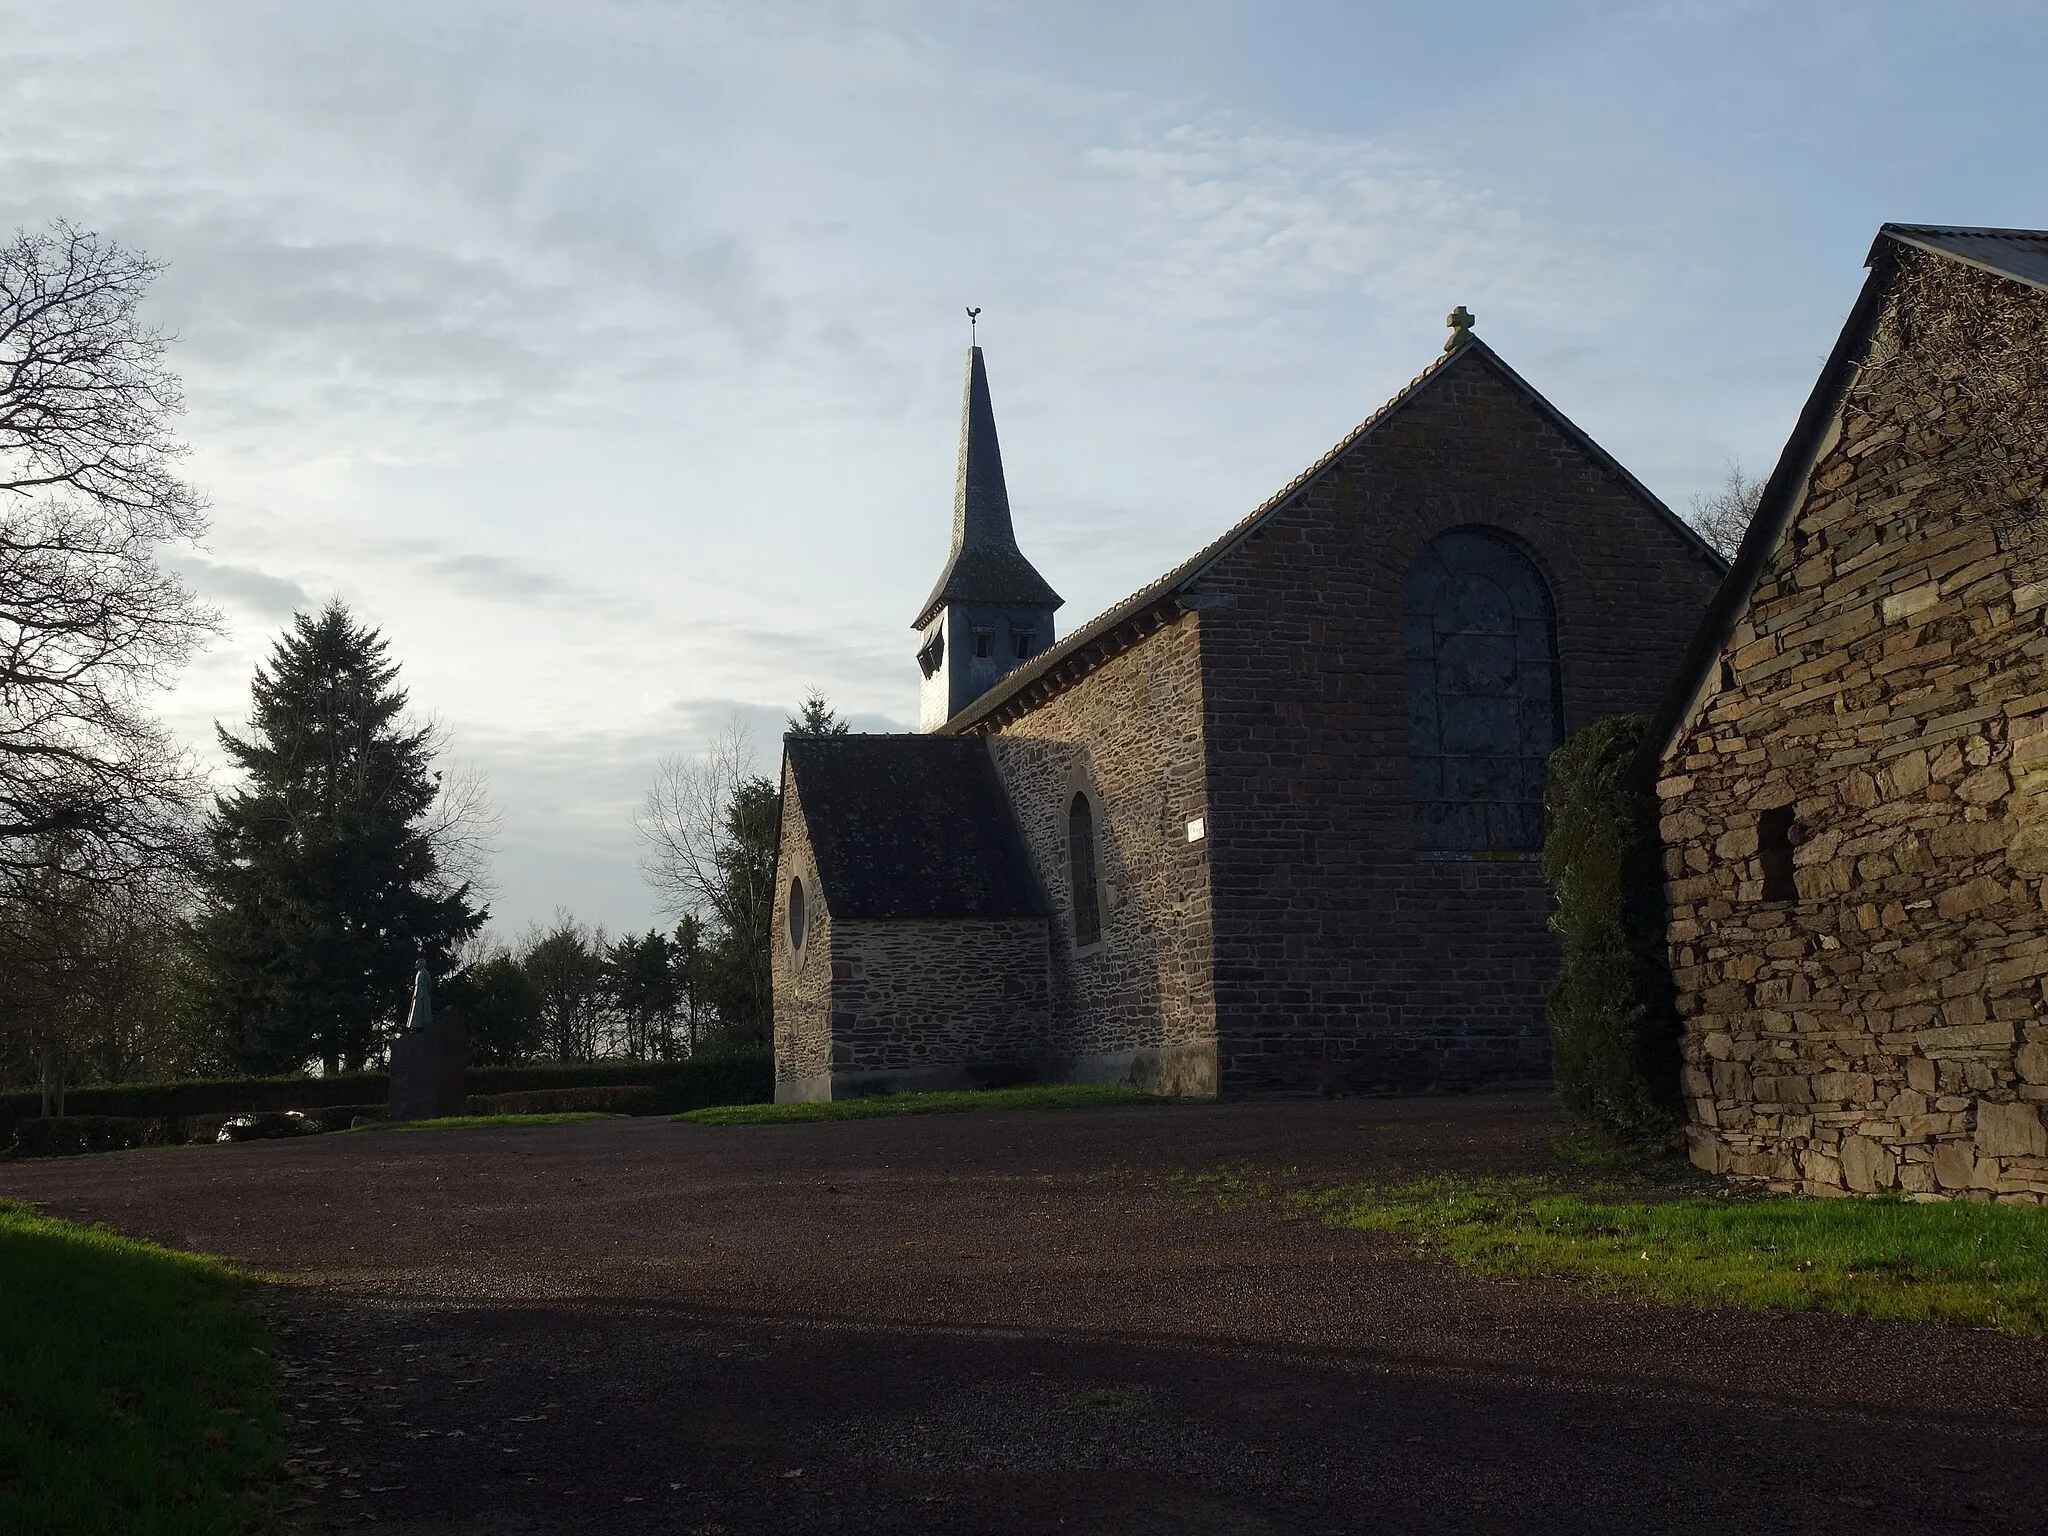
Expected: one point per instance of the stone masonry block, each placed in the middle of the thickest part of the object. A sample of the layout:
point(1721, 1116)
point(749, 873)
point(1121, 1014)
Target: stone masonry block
point(2010, 1130)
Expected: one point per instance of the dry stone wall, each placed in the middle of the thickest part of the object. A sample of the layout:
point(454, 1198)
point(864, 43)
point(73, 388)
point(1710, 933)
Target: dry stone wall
point(1884, 1030)
point(1130, 734)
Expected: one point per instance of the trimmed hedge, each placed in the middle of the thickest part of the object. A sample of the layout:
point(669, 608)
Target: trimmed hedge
point(74, 1134)
point(676, 1086)
point(1614, 1026)
point(624, 1099)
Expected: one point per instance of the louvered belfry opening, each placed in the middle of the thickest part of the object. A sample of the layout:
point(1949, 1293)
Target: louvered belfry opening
point(1081, 871)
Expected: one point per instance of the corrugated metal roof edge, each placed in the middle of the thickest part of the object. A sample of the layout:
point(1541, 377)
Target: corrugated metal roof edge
point(1910, 234)
point(1782, 493)
point(1170, 585)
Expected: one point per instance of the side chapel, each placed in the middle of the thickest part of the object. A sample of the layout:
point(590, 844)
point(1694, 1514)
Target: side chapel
point(1270, 824)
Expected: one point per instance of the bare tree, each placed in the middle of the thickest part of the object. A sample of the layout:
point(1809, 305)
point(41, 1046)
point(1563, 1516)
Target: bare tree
point(463, 826)
point(1722, 517)
point(708, 835)
point(688, 840)
point(90, 784)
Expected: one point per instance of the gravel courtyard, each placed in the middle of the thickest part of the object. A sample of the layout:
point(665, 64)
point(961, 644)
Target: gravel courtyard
point(1028, 1322)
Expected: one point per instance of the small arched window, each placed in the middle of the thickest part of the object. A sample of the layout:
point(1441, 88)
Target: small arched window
point(799, 917)
point(1081, 871)
point(1479, 636)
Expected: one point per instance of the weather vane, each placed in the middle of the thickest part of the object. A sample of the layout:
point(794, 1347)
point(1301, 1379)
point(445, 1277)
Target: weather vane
point(973, 315)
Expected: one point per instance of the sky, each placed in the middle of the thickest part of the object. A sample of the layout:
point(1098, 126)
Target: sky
point(607, 356)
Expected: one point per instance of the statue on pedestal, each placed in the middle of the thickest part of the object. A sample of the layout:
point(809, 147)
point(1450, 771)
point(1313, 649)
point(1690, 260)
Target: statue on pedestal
point(429, 1060)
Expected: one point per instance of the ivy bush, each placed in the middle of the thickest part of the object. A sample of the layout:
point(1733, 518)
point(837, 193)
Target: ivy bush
point(1614, 1027)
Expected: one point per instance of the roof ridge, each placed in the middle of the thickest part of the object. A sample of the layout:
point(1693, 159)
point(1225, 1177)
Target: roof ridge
point(1197, 564)
point(1208, 554)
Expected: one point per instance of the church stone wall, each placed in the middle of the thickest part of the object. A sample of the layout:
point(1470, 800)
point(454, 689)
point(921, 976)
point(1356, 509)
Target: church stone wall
point(1139, 1007)
point(802, 980)
point(1884, 1029)
point(930, 1004)
point(1344, 960)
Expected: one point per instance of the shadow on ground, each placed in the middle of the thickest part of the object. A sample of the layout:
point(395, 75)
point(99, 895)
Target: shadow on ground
point(1030, 1323)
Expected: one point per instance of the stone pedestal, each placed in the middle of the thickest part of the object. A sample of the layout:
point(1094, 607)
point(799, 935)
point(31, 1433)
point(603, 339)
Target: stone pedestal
point(428, 1070)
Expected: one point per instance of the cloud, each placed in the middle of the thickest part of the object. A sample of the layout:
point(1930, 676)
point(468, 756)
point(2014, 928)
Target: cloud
point(242, 587)
point(1241, 222)
point(497, 579)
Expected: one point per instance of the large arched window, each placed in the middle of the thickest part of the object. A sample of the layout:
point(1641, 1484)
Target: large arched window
point(1480, 640)
point(1081, 871)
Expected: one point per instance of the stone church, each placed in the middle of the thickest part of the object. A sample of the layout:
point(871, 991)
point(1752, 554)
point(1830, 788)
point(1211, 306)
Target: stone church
point(1272, 824)
point(1854, 766)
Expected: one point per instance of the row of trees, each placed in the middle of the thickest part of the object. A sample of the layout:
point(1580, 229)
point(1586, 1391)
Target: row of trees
point(343, 858)
point(570, 993)
point(283, 924)
point(148, 928)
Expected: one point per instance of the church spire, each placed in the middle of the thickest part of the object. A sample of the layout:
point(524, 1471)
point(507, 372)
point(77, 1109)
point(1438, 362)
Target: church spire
point(985, 566)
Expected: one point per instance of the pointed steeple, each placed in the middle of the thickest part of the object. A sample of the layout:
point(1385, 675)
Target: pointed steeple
point(985, 566)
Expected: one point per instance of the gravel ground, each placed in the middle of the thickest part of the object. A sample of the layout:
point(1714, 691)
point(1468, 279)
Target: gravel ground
point(1029, 1322)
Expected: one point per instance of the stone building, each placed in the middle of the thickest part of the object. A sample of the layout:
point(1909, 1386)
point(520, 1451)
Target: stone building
point(1854, 769)
point(1280, 810)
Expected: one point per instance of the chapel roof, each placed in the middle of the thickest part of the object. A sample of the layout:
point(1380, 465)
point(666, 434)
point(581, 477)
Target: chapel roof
point(1080, 651)
point(911, 826)
point(985, 565)
point(2018, 254)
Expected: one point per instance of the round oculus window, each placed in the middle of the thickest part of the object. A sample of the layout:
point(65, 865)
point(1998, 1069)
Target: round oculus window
point(799, 915)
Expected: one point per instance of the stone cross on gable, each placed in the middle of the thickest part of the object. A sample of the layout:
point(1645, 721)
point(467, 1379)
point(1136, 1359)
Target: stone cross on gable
point(1460, 320)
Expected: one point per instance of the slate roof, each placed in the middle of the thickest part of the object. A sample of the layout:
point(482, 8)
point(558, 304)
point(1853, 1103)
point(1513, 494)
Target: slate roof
point(985, 565)
point(2018, 254)
point(1153, 603)
point(911, 826)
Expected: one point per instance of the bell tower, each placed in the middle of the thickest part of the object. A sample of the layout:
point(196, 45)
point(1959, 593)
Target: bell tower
point(991, 611)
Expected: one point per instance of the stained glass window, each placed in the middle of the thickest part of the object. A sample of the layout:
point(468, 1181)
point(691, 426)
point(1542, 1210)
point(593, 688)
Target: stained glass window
point(1479, 636)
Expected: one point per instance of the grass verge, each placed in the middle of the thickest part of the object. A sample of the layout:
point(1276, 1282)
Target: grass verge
point(1053, 1096)
point(1947, 1262)
point(137, 1393)
point(477, 1122)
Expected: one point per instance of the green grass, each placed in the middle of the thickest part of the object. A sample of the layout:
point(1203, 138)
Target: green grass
point(476, 1122)
point(136, 1388)
point(1948, 1262)
point(1054, 1096)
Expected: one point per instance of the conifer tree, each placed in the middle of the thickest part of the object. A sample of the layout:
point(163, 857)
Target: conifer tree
point(815, 718)
point(324, 889)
